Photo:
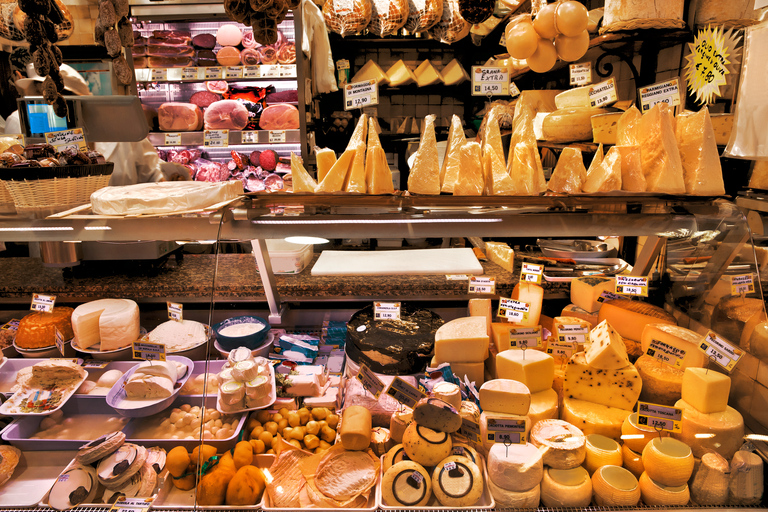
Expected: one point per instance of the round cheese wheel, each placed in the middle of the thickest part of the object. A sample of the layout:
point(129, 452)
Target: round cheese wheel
point(668, 461)
point(544, 406)
point(662, 384)
point(505, 498)
point(636, 436)
point(393, 456)
point(594, 418)
point(570, 124)
point(517, 467)
point(657, 495)
point(601, 451)
point(228, 56)
point(562, 444)
point(566, 488)
point(62, 495)
point(457, 482)
point(426, 446)
point(406, 484)
point(633, 461)
point(724, 430)
point(398, 423)
point(229, 35)
point(464, 450)
point(614, 486)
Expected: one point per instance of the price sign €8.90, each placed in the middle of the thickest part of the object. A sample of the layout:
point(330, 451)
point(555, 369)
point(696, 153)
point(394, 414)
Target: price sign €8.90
point(361, 94)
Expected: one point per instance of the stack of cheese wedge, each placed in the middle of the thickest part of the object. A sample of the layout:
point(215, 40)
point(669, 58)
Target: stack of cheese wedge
point(668, 465)
point(565, 482)
point(536, 370)
point(400, 74)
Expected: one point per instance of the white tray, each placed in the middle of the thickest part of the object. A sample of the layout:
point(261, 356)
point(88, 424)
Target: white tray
point(117, 399)
point(34, 476)
point(268, 400)
point(11, 367)
point(107, 355)
point(394, 263)
point(7, 407)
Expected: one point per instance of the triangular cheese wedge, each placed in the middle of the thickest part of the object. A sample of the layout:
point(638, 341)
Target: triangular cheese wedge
point(399, 75)
point(702, 172)
point(626, 127)
point(371, 71)
point(424, 176)
point(522, 132)
point(452, 160)
point(492, 134)
point(501, 183)
point(334, 180)
point(470, 181)
point(381, 175)
point(355, 181)
point(569, 173)
point(597, 159)
point(606, 176)
point(302, 181)
point(324, 159)
point(523, 172)
point(454, 74)
point(427, 74)
point(632, 177)
point(659, 155)
point(373, 142)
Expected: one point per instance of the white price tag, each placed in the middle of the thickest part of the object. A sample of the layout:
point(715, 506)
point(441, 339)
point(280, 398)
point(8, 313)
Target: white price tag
point(659, 417)
point(277, 136)
point(249, 137)
point(189, 73)
point(514, 310)
point(631, 285)
point(531, 273)
point(216, 138)
point(124, 504)
point(175, 311)
point(525, 337)
point(370, 381)
point(159, 74)
point(457, 277)
point(233, 72)
point(666, 353)
point(506, 431)
point(661, 92)
point(270, 71)
point(559, 349)
point(386, 311)
point(490, 81)
point(65, 139)
point(172, 139)
point(608, 296)
point(361, 94)
point(213, 73)
point(148, 351)
point(482, 285)
point(603, 94)
point(470, 430)
point(720, 351)
point(42, 303)
point(742, 284)
point(252, 72)
point(571, 333)
point(288, 71)
point(581, 73)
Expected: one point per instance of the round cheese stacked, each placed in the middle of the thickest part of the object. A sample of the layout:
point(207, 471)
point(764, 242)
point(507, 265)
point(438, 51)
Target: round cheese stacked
point(614, 486)
point(658, 495)
point(398, 423)
point(668, 461)
point(566, 488)
point(111, 323)
point(635, 436)
point(457, 482)
point(562, 444)
point(601, 451)
point(406, 484)
point(514, 474)
point(633, 461)
point(393, 456)
point(426, 446)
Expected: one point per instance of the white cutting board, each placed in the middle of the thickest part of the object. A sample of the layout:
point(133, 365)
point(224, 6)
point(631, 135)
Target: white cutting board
point(388, 263)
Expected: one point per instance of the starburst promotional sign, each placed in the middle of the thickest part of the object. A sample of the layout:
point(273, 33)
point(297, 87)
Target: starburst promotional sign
point(709, 63)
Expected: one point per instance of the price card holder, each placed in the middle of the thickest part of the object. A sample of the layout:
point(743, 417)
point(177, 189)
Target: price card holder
point(513, 89)
point(159, 75)
point(404, 392)
point(361, 94)
point(11, 325)
point(631, 285)
point(277, 136)
point(490, 81)
point(742, 284)
point(288, 71)
point(65, 139)
point(233, 72)
point(531, 273)
point(659, 417)
point(252, 72)
point(386, 311)
point(528, 337)
point(42, 303)
point(603, 94)
point(581, 73)
point(470, 430)
point(370, 381)
point(249, 137)
point(175, 311)
point(148, 351)
point(506, 431)
point(124, 504)
point(270, 71)
point(482, 285)
point(457, 277)
point(172, 139)
point(189, 73)
point(216, 138)
point(666, 353)
point(660, 92)
point(213, 73)
point(59, 339)
point(513, 310)
point(719, 350)
point(560, 349)
point(94, 364)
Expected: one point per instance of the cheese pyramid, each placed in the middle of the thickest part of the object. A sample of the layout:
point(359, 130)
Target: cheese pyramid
point(424, 176)
point(597, 159)
point(324, 158)
point(524, 171)
point(498, 182)
point(355, 181)
point(605, 176)
point(702, 172)
point(334, 180)
point(626, 128)
point(399, 74)
point(569, 173)
point(470, 181)
point(302, 181)
point(632, 177)
point(454, 74)
point(371, 71)
point(659, 155)
point(373, 142)
point(426, 74)
point(381, 175)
point(451, 162)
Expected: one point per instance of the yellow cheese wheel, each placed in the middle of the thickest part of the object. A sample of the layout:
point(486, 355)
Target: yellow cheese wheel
point(657, 495)
point(570, 124)
point(566, 488)
point(594, 418)
point(633, 461)
point(720, 432)
point(635, 436)
point(406, 484)
point(662, 384)
point(668, 461)
point(601, 451)
point(614, 486)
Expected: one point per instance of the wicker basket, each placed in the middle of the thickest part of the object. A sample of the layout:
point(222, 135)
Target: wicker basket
point(46, 197)
point(6, 201)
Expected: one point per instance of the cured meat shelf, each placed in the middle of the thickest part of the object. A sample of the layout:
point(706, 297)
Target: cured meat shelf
point(205, 73)
point(235, 138)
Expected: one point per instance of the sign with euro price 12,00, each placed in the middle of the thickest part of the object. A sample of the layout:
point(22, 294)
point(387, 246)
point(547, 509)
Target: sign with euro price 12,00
point(490, 81)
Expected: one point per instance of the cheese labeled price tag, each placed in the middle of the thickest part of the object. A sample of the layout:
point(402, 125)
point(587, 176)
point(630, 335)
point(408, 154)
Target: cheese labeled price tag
point(457, 277)
point(666, 353)
point(213, 73)
point(531, 273)
point(148, 351)
point(370, 381)
point(525, 337)
point(506, 431)
point(249, 137)
point(216, 138)
point(659, 417)
point(175, 311)
point(631, 285)
point(662, 92)
point(581, 73)
point(42, 303)
point(470, 430)
point(559, 349)
point(608, 296)
point(386, 311)
point(490, 81)
point(270, 71)
point(124, 504)
point(603, 94)
point(233, 72)
point(159, 74)
point(742, 284)
point(172, 139)
point(252, 72)
point(94, 364)
point(482, 285)
point(277, 136)
point(404, 392)
point(720, 351)
point(361, 94)
point(572, 333)
point(189, 73)
point(59, 340)
point(514, 310)
point(11, 325)
point(66, 139)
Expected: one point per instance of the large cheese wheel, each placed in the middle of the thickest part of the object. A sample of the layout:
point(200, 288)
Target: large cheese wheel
point(566, 488)
point(601, 451)
point(426, 446)
point(658, 495)
point(505, 498)
point(731, 315)
point(629, 318)
point(720, 432)
point(633, 461)
point(406, 484)
point(436, 415)
point(457, 482)
point(636, 436)
point(668, 461)
point(662, 384)
point(563, 445)
point(516, 467)
point(570, 124)
point(682, 343)
point(355, 428)
point(594, 418)
point(614, 486)
point(464, 450)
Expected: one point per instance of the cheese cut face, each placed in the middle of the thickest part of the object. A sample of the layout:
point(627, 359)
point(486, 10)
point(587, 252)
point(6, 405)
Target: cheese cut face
point(571, 329)
point(324, 159)
point(594, 418)
point(424, 176)
point(572, 310)
point(578, 97)
point(618, 388)
point(497, 180)
point(406, 484)
point(505, 395)
point(626, 130)
point(337, 175)
point(524, 170)
point(501, 254)
point(678, 344)
point(632, 177)
point(491, 138)
point(482, 308)
point(533, 368)
point(427, 74)
point(302, 181)
point(586, 291)
point(606, 350)
point(399, 75)
point(462, 340)
point(604, 128)
point(720, 432)
point(605, 176)
point(629, 317)
point(533, 295)
point(381, 174)
point(563, 445)
point(518, 467)
point(371, 71)
point(569, 173)
point(449, 173)
point(112, 322)
point(457, 482)
point(470, 181)
point(356, 178)
point(475, 372)
point(454, 74)
point(544, 406)
point(566, 488)
point(659, 154)
point(702, 172)
point(706, 390)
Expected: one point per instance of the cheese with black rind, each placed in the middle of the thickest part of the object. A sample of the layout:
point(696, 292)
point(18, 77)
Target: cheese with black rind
point(401, 487)
point(457, 482)
point(426, 446)
point(437, 415)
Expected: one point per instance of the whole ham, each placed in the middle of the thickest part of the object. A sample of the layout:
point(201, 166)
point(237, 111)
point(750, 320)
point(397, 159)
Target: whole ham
point(226, 114)
point(179, 117)
point(279, 117)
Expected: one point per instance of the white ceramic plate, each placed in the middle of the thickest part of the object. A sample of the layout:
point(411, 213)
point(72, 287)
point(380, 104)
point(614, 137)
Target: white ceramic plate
point(11, 406)
point(138, 408)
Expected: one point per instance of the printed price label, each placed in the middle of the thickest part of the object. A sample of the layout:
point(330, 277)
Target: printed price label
point(514, 310)
point(608, 296)
point(470, 430)
point(386, 311)
point(482, 285)
point(559, 349)
point(506, 431)
point(631, 285)
point(175, 311)
point(252, 72)
point(404, 392)
point(189, 73)
point(270, 71)
point(490, 81)
point(361, 94)
point(216, 138)
point(42, 303)
point(659, 417)
point(233, 72)
point(531, 273)
point(370, 381)
point(124, 504)
point(722, 352)
point(277, 136)
point(525, 337)
point(213, 73)
point(159, 74)
point(59, 339)
point(287, 70)
point(449, 466)
point(742, 284)
point(661, 92)
point(415, 479)
point(581, 73)
point(11, 325)
point(513, 90)
point(666, 353)
point(94, 364)
point(249, 137)
point(603, 94)
point(457, 277)
point(172, 139)
point(65, 139)
point(148, 351)
point(572, 333)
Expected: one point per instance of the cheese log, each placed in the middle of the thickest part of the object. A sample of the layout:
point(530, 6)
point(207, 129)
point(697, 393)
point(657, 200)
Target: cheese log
point(399, 74)
point(355, 428)
point(606, 350)
point(424, 177)
point(497, 180)
point(706, 390)
point(512, 499)
point(324, 160)
point(516, 467)
point(635, 436)
point(678, 342)
point(614, 486)
point(337, 175)
point(662, 384)
point(449, 172)
point(533, 368)
point(746, 485)
point(112, 322)
point(586, 291)
point(727, 428)
point(398, 423)
point(302, 181)
point(655, 494)
point(626, 129)
point(569, 173)
point(659, 154)
point(576, 312)
point(426, 446)
point(470, 181)
point(563, 445)
point(668, 461)
point(594, 418)
point(566, 488)
point(482, 308)
point(400, 485)
point(629, 318)
point(462, 340)
point(710, 481)
point(612, 388)
point(544, 406)
point(601, 451)
point(458, 487)
point(700, 158)
point(491, 422)
point(371, 71)
point(505, 395)
point(632, 461)
point(437, 415)
point(448, 392)
point(632, 177)
point(454, 74)
point(501, 254)
point(533, 295)
point(605, 176)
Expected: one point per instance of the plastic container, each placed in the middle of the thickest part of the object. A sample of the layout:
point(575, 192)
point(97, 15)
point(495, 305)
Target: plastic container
point(285, 257)
point(249, 341)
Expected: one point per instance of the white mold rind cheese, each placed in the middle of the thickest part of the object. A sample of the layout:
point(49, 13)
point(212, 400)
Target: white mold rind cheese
point(516, 467)
point(457, 482)
point(406, 484)
point(614, 486)
point(563, 445)
point(746, 485)
point(710, 481)
point(426, 446)
point(505, 498)
point(566, 488)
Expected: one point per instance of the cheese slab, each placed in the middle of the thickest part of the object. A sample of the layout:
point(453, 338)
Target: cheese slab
point(337, 175)
point(618, 388)
point(533, 295)
point(586, 290)
point(482, 308)
point(601, 451)
point(626, 129)
point(594, 418)
point(659, 153)
point(470, 181)
point(426, 446)
point(605, 176)
point(544, 406)
point(371, 71)
point(569, 173)
point(324, 160)
point(702, 172)
point(505, 395)
point(606, 350)
point(427, 74)
point(355, 180)
point(462, 340)
point(399, 74)
point(457, 482)
point(533, 368)
point(706, 390)
point(575, 311)
point(497, 180)
point(449, 172)
point(668, 461)
point(501, 254)
point(454, 74)
point(302, 181)
point(163, 197)
point(632, 177)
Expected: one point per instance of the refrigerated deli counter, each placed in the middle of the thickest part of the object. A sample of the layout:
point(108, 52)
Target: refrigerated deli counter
point(328, 406)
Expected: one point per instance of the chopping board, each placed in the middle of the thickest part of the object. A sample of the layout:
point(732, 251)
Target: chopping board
point(388, 263)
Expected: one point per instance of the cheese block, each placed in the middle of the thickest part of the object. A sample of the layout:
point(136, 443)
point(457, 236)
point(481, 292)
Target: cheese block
point(533, 368)
point(466, 451)
point(636, 436)
point(512, 499)
point(614, 486)
point(406, 484)
point(569, 173)
point(668, 461)
point(586, 291)
point(629, 318)
point(470, 181)
point(371, 71)
point(604, 176)
point(454, 74)
point(677, 343)
point(544, 406)
point(731, 315)
point(706, 390)
point(448, 392)
point(505, 395)
point(426, 446)
point(572, 310)
point(436, 415)
point(381, 174)
point(457, 482)
point(399, 74)
point(355, 428)
point(501, 254)
point(632, 177)
point(655, 494)
point(533, 295)
point(525, 169)
point(710, 481)
point(563, 445)
point(702, 172)
point(497, 422)
point(324, 160)
point(566, 488)
point(112, 322)
point(746, 485)
point(393, 456)
point(516, 467)
point(500, 336)
point(356, 177)
point(606, 350)
point(571, 329)
point(449, 172)
point(632, 461)
point(482, 308)
point(627, 126)
point(720, 432)
point(427, 74)
point(569, 124)
point(337, 175)
point(398, 423)
point(618, 388)
point(578, 97)
point(302, 181)
point(594, 418)
point(722, 124)
point(497, 180)
point(424, 177)
point(659, 154)
point(462, 340)
point(601, 451)
point(604, 127)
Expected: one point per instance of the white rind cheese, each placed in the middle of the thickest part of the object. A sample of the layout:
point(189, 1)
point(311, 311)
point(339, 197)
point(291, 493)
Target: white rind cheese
point(563, 445)
point(710, 481)
point(566, 488)
point(112, 322)
point(720, 432)
point(505, 395)
point(517, 467)
point(746, 485)
point(448, 392)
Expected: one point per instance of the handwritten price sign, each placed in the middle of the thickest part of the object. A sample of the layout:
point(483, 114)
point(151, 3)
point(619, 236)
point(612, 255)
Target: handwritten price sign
point(361, 94)
point(489, 81)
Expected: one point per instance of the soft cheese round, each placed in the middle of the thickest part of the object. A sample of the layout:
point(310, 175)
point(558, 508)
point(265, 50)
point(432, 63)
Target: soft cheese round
point(566, 488)
point(114, 323)
point(516, 467)
point(563, 445)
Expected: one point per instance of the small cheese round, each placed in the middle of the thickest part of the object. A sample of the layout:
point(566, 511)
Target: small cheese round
point(668, 461)
point(566, 488)
point(457, 482)
point(381, 441)
point(426, 446)
point(406, 484)
point(562, 444)
point(393, 456)
point(633, 461)
point(601, 451)
point(636, 436)
point(505, 498)
point(517, 467)
point(614, 486)
point(448, 392)
point(464, 450)
point(657, 495)
point(398, 423)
